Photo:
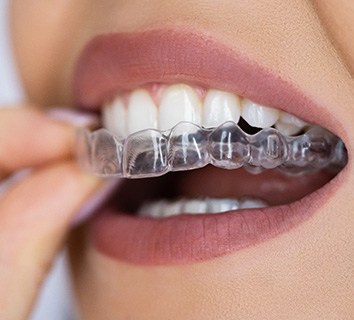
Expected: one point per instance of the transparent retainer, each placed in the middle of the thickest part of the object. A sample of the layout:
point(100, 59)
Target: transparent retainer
point(152, 153)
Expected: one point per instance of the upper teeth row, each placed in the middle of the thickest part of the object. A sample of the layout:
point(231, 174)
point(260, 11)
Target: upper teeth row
point(180, 102)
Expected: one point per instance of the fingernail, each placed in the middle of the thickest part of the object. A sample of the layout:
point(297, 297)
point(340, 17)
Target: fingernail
point(74, 117)
point(96, 200)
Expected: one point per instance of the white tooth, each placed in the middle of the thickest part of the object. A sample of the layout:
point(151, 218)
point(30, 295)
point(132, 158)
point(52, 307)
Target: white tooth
point(163, 208)
point(222, 205)
point(107, 117)
point(172, 209)
point(142, 111)
point(219, 107)
point(289, 124)
point(287, 129)
point(257, 115)
point(114, 117)
point(151, 209)
point(194, 206)
point(249, 203)
point(229, 205)
point(146, 210)
point(179, 103)
point(291, 119)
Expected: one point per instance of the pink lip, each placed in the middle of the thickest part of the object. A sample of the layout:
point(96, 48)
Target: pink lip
point(123, 61)
point(193, 238)
point(115, 62)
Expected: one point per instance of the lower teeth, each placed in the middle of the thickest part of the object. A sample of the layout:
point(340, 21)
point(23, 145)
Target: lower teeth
point(151, 153)
point(164, 208)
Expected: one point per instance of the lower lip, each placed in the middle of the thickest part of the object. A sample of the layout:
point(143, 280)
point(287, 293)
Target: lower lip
point(191, 238)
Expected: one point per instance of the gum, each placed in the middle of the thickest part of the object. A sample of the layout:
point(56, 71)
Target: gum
point(187, 146)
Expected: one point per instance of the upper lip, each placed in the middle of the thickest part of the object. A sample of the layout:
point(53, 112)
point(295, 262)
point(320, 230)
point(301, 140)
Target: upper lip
point(111, 63)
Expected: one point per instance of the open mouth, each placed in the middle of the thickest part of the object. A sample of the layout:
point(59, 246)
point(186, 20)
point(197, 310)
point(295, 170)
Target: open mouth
point(170, 105)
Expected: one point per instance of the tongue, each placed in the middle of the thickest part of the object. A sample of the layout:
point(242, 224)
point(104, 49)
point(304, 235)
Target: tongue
point(272, 186)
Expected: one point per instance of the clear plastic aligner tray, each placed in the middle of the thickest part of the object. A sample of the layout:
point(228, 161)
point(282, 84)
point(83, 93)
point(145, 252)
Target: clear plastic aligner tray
point(152, 153)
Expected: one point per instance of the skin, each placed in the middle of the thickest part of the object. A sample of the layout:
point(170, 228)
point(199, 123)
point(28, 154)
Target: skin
point(304, 274)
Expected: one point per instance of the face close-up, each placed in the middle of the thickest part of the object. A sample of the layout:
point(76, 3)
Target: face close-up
point(227, 130)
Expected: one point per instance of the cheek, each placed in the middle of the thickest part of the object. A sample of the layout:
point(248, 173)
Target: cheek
point(43, 33)
point(338, 19)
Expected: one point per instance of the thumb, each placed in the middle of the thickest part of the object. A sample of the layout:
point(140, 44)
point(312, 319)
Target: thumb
point(35, 216)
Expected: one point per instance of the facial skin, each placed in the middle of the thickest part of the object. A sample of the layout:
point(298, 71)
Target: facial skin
point(307, 273)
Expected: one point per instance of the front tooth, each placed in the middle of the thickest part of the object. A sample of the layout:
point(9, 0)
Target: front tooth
point(114, 117)
point(257, 115)
point(179, 103)
point(219, 107)
point(194, 206)
point(289, 124)
point(222, 205)
point(107, 117)
point(172, 209)
point(142, 111)
point(249, 203)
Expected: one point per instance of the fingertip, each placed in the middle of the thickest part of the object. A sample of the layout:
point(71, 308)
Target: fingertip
point(30, 138)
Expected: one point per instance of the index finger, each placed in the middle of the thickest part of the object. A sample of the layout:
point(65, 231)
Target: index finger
point(30, 138)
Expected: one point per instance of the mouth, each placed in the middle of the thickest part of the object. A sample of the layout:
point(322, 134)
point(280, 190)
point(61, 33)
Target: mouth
point(173, 101)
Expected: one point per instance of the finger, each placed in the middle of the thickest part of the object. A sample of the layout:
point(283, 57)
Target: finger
point(29, 138)
point(34, 218)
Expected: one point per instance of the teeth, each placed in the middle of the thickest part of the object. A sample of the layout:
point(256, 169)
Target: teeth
point(257, 115)
point(155, 209)
point(152, 153)
point(179, 103)
point(142, 112)
point(289, 124)
point(250, 203)
point(114, 117)
point(194, 206)
point(220, 107)
point(222, 205)
point(163, 208)
point(171, 208)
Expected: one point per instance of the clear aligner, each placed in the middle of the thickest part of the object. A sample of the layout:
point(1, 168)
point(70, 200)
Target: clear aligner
point(151, 153)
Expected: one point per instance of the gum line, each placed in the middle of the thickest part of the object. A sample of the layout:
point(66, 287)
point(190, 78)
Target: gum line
point(152, 153)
